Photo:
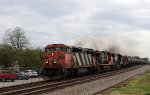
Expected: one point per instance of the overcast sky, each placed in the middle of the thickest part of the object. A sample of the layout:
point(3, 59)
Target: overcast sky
point(125, 23)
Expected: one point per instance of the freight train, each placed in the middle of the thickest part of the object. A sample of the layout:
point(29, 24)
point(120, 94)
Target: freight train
point(63, 60)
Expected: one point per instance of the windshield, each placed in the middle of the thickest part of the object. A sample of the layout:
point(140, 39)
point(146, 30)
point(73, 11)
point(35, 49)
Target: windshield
point(49, 49)
point(55, 49)
point(103, 58)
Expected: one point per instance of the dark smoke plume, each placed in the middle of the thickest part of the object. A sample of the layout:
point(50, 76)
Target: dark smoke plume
point(114, 49)
point(116, 45)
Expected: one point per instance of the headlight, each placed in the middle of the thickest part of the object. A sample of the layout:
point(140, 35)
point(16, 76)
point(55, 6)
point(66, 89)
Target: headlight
point(52, 54)
point(46, 62)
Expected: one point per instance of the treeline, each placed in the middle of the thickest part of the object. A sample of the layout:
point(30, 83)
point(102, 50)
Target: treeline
point(16, 50)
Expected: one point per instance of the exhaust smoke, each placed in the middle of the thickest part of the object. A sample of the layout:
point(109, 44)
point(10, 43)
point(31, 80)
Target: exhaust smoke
point(114, 45)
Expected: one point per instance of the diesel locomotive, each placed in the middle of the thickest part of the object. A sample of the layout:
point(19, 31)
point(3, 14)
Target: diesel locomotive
point(63, 60)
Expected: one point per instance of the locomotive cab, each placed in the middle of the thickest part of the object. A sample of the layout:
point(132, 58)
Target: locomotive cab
point(104, 60)
point(117, 58)
point(104, 57)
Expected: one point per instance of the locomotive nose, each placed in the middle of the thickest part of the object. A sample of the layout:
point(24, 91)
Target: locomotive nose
point(54, 58)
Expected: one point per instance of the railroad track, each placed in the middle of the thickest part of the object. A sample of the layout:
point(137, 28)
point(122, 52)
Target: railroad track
point(44, 87)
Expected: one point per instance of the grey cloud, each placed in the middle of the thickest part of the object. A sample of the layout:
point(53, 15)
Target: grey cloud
point(66, 21)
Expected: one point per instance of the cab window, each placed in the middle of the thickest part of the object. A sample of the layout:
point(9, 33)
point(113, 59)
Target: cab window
point(55, 49)
point(58, 49)
point(69, 50)
point(49, 49)
point(61, 49)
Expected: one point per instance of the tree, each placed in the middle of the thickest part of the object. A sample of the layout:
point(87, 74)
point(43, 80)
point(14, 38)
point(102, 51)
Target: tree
point(16, 38)
point(30, 58)
point(8, 55)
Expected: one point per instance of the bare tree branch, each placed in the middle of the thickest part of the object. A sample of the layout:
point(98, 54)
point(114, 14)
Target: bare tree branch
point(16, 38)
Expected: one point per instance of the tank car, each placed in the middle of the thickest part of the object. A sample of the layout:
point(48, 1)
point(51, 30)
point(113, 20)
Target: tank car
point(134, 60)
point(125, 60)
point(145, 60)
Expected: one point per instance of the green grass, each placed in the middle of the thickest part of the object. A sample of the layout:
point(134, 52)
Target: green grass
point(138, 86)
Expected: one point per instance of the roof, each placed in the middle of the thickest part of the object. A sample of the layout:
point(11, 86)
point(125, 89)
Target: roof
point(57, 45)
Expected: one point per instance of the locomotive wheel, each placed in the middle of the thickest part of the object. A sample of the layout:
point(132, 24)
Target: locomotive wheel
point(89, 71)
point(98, 70)
point(110, 68)
point(76, 73)
point(118, 66)
point(3, 80)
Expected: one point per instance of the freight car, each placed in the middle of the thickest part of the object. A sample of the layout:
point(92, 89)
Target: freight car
point(63, 61)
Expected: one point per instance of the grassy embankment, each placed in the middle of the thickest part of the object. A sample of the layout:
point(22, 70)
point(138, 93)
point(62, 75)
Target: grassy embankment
point(139, 86)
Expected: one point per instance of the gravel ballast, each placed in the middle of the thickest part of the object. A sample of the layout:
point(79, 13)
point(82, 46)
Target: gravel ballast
point(98, 85)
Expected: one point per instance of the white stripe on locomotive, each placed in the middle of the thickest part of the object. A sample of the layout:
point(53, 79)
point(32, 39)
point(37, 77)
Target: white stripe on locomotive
point(90, 59)
point(87, 60)
point(75, 61)
point(78, 59)
point(83, 59)
point(86, 64)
